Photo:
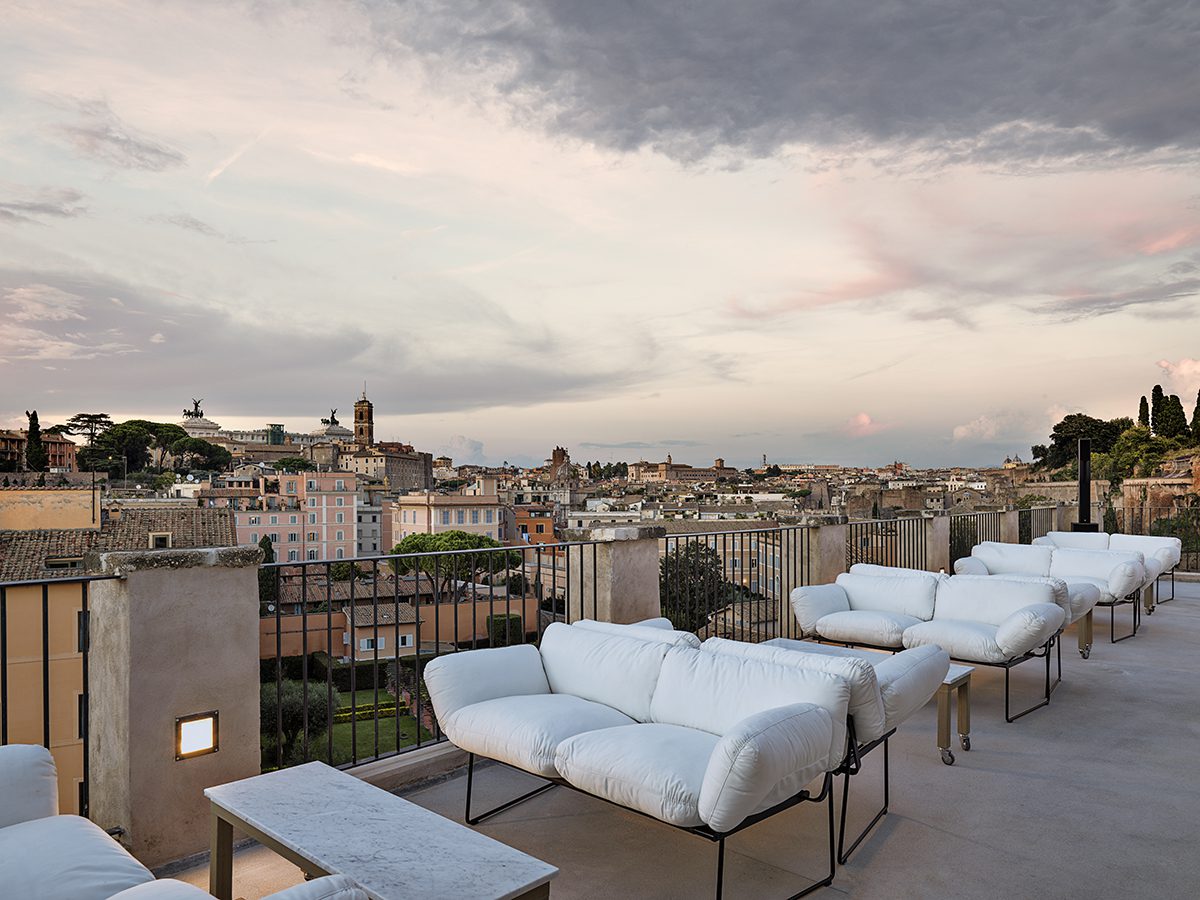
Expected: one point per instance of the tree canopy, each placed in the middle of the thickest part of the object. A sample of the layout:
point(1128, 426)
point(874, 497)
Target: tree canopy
point(294, 464)
point(196, 453)
point(36, 455)
point(1065, 436)
point(447, 563)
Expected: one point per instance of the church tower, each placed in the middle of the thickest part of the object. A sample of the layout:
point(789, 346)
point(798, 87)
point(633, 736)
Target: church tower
point(364, 421)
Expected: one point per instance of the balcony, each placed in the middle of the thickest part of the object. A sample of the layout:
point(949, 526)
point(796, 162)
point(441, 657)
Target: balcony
point(1084, 797)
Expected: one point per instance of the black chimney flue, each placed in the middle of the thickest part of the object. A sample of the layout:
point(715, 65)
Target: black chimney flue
point(1085, 522)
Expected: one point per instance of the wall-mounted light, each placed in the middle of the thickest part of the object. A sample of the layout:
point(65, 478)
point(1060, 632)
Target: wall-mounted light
point(196, 735)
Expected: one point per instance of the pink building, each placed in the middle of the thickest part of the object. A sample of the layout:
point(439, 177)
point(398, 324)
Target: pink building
point(429, 513)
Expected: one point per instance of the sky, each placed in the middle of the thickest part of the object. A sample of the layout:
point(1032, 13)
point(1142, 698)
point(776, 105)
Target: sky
point(824, 232)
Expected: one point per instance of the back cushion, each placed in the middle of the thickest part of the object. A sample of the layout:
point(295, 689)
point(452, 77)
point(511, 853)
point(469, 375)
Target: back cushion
point(893, 571)
point(714, 691)
point(1013, 559)
point(1090, 563)
point(909, 595)
point(612, 669)
point(1079, 540)
point(641, 632)
point(982, 598)
point(1167, 549)
point(866, 702)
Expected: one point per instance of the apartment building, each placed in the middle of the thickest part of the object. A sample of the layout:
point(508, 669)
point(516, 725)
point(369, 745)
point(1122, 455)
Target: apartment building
point(60, 451)
point(429, 513)
point(313, 516)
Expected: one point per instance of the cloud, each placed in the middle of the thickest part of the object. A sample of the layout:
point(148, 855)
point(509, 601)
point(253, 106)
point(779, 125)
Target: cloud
point(981, 428)
point(978, 83)
point(637, 445)
point(465, 451)
point(1160, 297)
point(42, 303)
point(233, 157)
point(1184, 375)
point(25, 206)
point(862, 425)
point(101, 135)
point(189, 223)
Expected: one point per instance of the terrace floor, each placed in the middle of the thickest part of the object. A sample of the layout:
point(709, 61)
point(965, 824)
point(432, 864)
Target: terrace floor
point(1097, 795)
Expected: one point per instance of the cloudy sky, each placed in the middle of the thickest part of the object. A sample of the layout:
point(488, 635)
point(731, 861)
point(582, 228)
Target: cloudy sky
point(824, 231)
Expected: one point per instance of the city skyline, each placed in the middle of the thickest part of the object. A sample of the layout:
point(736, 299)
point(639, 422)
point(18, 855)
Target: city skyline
point(526, 225)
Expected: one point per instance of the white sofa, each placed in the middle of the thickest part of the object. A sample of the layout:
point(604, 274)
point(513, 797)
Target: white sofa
point(47, 856)
point(1160, 553)
point(1118, 575)
point(986, 621)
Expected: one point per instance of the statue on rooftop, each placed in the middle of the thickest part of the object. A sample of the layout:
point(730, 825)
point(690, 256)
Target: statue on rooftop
point(332, 420)
point(195, 412)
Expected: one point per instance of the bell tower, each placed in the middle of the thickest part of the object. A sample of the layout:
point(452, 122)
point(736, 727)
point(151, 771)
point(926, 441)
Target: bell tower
point(364, 421)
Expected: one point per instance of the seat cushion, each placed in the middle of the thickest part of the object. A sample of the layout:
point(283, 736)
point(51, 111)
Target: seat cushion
point(864, 626)
point(524, 731)
point(64, 858)
point(1078, 584)
point(971, 641)
point(653, 768)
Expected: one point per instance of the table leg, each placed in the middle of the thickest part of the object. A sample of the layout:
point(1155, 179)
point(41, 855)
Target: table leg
point(964, 714)
point(943, 741)
point(220, 859)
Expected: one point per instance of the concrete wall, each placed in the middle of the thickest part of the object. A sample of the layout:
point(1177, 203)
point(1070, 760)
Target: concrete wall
point(177, 634)
point(619, 582)
point(28, 509)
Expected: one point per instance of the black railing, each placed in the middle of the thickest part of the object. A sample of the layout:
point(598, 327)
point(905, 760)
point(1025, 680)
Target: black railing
point(734, 584)
point(887, 542)
point(44, 672)
point(345, 642)
point(1182, 522)
point(969, 529)
point(1034, 523)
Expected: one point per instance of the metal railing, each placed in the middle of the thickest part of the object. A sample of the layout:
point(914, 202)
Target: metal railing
point(887, 542)
point(969, 529)
point(1182, 522)
point(44, 695)
point(734, 584)
point(344, 643)
point(1035, 522)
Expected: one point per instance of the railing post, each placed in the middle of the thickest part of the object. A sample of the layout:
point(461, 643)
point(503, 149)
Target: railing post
point(176, 634)
point(617, 579)
point(826, 551)
point(1010, 526)
point(937, 541)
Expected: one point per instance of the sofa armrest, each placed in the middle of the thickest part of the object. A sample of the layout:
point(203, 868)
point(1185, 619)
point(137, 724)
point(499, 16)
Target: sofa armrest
point(970, 565)
point(811, 602)
point(1043, 541)
point(1126, 578)
point(757, 754)
point(1029, 628)
point(907, 680)
point(457, 680)
point(331, 887)
point(28, 784)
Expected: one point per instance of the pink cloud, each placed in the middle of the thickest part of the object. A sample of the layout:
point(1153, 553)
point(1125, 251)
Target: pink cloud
point(862, 425)
point(1184, 376)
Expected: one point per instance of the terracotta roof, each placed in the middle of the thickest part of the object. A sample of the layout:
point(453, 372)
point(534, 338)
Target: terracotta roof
point(23, 554)
point(388, 614)
point(291, 589)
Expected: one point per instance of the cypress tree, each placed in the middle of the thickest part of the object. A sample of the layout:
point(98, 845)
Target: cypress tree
point(1172, 420)
point(1144, 413)
point(1196, 419)
point(36, 456)
point(1156, 402)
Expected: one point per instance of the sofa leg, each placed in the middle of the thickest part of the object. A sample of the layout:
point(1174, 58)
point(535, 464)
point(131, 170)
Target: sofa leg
point(1058, 653)
point(1085, 635)
point(843, 851)
point(1112, 623)
point(1045, 701)
point(503, 806)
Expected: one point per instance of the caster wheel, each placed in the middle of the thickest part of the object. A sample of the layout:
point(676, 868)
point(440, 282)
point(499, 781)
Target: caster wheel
point(1150, 611)
point(948, 757)
point(965, 741)
point(1085, 653)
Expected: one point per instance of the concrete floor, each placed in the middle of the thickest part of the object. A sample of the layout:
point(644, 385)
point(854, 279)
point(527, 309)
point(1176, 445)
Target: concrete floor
point(1097, 795)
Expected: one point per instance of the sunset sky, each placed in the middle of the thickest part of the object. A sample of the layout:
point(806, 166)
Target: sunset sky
point(825, 231)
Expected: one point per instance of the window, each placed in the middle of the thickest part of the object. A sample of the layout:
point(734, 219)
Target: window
point(291, 520)
point(252, 520)
point(404, 516)
point(254, 537)
point(340, 518)
point(312, 536)
point(293, 537)
point(293, 555)
point(340, 553)
point(81, 623)
point(64, 562)
point(460, 516)
point(274, 536)
point(312, 501)
point(339, 485)
point(312, 484)
point(487, 516)
point(374, 518)
point(474, 517)
point(445, 517)
point(274, 520)
point(291, 487)
point(369, 644)
point(81, 717)
point(341, 535)
point(341, 501)
point(312, 554)
point(541, 529)
point(406, 640)
point(312, 518)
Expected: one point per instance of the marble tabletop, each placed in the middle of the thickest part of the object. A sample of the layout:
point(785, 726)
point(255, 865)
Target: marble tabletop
point(394, 849)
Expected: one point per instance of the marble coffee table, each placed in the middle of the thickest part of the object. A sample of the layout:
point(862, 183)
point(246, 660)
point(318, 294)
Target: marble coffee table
point(330, 823)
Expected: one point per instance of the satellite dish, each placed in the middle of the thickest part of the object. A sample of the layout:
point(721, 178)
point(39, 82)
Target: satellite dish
point(191, 477)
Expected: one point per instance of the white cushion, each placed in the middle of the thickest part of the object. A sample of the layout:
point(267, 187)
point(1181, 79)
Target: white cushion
point(904, 595)
point(1081, 598)
point(981, 598)
point(1123, 569)
point(653, 633)
point(612, 669)
point(1013, 559)
point(525, 731)
point(64, 858)
point(812, 601)
point(908, 680)
point(974, 641)
point(28, 783)
point(1077, 584)
point(331, 887)
point(864, 626)
point(1075, 540)
point(1166, 550)
point(659, 622)
point(657, 769)
point(714, 692)
point(1060, 591)
point(892, 571)
point(866, 703)
point(458, 680)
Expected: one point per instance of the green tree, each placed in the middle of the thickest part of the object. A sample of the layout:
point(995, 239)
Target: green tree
point(126, 441)
point(1196, 420)
point(346, 571)
point(283, 707)
point(773, 471)
point(164, 481)
point(36, 456)
point(1137, 452)
point(268, 579)
point(196, 453)
point(447, 558)
point(1065, 436)
point(293, 464)
point(1172, 420)
point(1156, 402)
point(1143, 418)
point(504, 629)
point(692, 585)
point(89, 425)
